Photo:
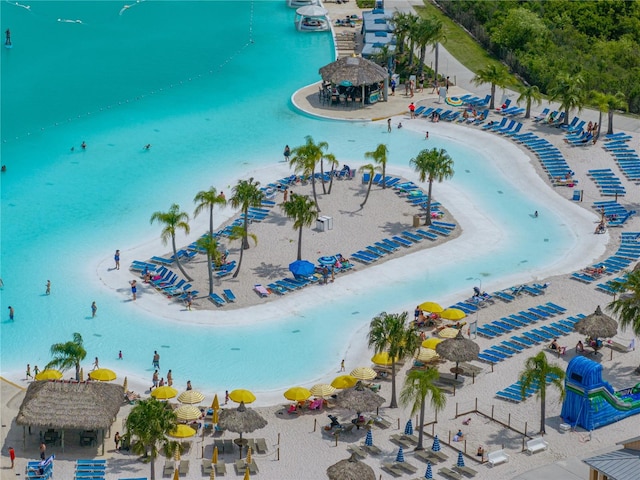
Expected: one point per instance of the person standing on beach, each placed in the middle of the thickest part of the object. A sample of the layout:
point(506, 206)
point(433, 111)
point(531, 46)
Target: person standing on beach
point(154, 380)
point(116, 258)
point(286, 194)
point(226, 397)
point(96, 364)
point(287, 153)
point(48, 291)
point(412, 110)
point(169, 378)
point(94, 309)
point(134, 289)
point(11, 313)
point(156, 360)
point(43, 450)
point(12, 456)
point(36, 371)
point(29, 372)
point(342, 365)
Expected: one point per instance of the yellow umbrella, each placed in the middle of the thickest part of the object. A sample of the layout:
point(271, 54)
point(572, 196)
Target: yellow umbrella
point(81, 379)
point(176, 475)
point(453, 314)
point(182, 431)
point(215, 417)
point(188, 413)
point(448, 333)
point(322, 390)
point(49, 374)
point(381, 358)
point(124, 384)
point(432, 307)
point(191, 397)
point(297, 394)
point(164, 393)
point(363, 373)
point(431, 342)
point(426, 355)
point(240, 395)
point(214, 458)
point(216, 404)
point(103, 375)
point(248, 460)
point(246, 474)
point(344, 381)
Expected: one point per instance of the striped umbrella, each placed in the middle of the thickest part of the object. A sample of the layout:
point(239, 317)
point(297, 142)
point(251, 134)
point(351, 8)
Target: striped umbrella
point(408, 429)
point(400, 456)
point(460, 460)
point(436, 444)
point(368, 441)
point(248, 459)
point(429, 473)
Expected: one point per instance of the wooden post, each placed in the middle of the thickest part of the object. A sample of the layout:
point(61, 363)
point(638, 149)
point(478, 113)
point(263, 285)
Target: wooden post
point(492, 407)
point(465, 445)
point(476, 409)
point(315, 423)
point(492, 368)
point(509, 421)
point(433, 429)
point(473, 378)
point(525, 428)
point(398, 423)
point(456, 409)
point(278, 438)
point(278, 452)
point(436, 421)
point(523, 437)
point(337, 435)
point(611, 350)
point(454, 390)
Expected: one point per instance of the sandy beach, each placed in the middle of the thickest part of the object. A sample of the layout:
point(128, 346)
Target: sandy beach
point(298, 447)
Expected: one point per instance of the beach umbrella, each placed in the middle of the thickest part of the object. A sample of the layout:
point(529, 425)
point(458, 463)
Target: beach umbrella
point(49, 374)
point(458, 349)
point(125, 384)
point(102, 375)
point(460, 460)
point(81, 376)
point(400, 455)
point(190, 397)
point(214, 456)
point(359, 398)
point(363, 373)
point(241, 420)
point(297, 394)
point(248, 460)
point(164, 393)
point(240, 395)
point(408, 428)
point(302, 268)
point(350, 469)
point(187, 413)
point(327, 260)
point(246, 474)
point(382, 358)
point(453, 314)
point(216, 403)
point(344, 381)
point(454, 101)
point(176, 474)
point(432, 307)
point(436, 444)
point(368, 441)
point(182, 431)
point(322, 390)
point(431, 342)
point(448, 332)
point(428, 474)
point(426, 355)
point(597, 325)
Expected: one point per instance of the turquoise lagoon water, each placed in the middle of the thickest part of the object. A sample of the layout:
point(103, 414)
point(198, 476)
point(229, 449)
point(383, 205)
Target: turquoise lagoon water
point(208, 85)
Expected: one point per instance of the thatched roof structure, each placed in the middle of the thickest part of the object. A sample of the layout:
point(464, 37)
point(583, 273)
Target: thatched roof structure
point(458, 349)
point(355, 70)
point(597, 325)
point(71, 405)
point(241, 420)
point(351, 469)
point(359, 398)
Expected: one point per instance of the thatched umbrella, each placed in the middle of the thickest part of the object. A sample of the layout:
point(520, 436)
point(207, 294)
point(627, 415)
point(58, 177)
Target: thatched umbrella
point(351, 469)
point(359, 398)
point(241, 420)
point(356, 71)
point(458, 349)
point(597, 325)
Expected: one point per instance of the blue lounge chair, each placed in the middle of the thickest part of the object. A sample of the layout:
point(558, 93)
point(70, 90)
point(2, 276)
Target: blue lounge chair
point(507, 297)
point(228, 295)
point(217, 299)
point(279, 289)
point(411, 236)
point(161, 260)
point(402, 241)
point(425, 234)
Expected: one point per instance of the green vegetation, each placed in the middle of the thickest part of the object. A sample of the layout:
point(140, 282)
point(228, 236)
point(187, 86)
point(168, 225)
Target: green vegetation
point(302, 211)
point(173, 220)
point(627, 305)
point(68, 355)
point(432, 165)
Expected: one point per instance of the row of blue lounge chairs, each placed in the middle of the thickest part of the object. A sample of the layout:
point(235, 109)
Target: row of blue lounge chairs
point(229, 297)
point(513, 392)
point(626, 157)
point(615, 214)
point(524, 340)
point(627, 253)
point(522, 319)
point(549, 155)
point(607, 182)
point(510, 294)
point(90, 469)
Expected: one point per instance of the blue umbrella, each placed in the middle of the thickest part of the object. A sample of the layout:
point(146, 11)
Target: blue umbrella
point(436, 444)
point(400, 456)
point(368, 441)
point(302, 268)
point(460, 460)
point(327, 260)
point(408, 429)
point(429, 473)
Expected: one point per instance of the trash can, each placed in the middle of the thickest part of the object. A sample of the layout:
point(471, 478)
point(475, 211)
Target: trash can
point(329, 222)
point(321, 224)
point(416, 220)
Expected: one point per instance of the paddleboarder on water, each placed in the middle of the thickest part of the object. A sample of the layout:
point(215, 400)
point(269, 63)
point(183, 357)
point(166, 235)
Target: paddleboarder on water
point(7, 42)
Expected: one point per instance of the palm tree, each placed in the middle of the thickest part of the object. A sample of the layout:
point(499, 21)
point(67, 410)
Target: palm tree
point(246, 194)
point(149, 422)
point(305, 158)
point(331, 159)
point(333, 163)
point(384, 56)
point(208, 199)
point(68, 355)
point(432, 165)
point(529, 93)
point(419, 384)
point(607, 103)
point(302, 211)
point(496, 75)
point(402, 28)
point(240, 233)
point(173, 220)
point(627, 305)
point(209, 244)
point(379, 155)
point(429, 31)
point(537, 372)
point(368, 169)
point(569, 91)
point(388, 332)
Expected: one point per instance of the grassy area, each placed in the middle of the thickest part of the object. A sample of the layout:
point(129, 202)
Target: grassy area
point(459, 43)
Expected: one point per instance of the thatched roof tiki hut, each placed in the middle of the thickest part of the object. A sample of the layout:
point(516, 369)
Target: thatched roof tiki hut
point(356, 72)
point(57, 406)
